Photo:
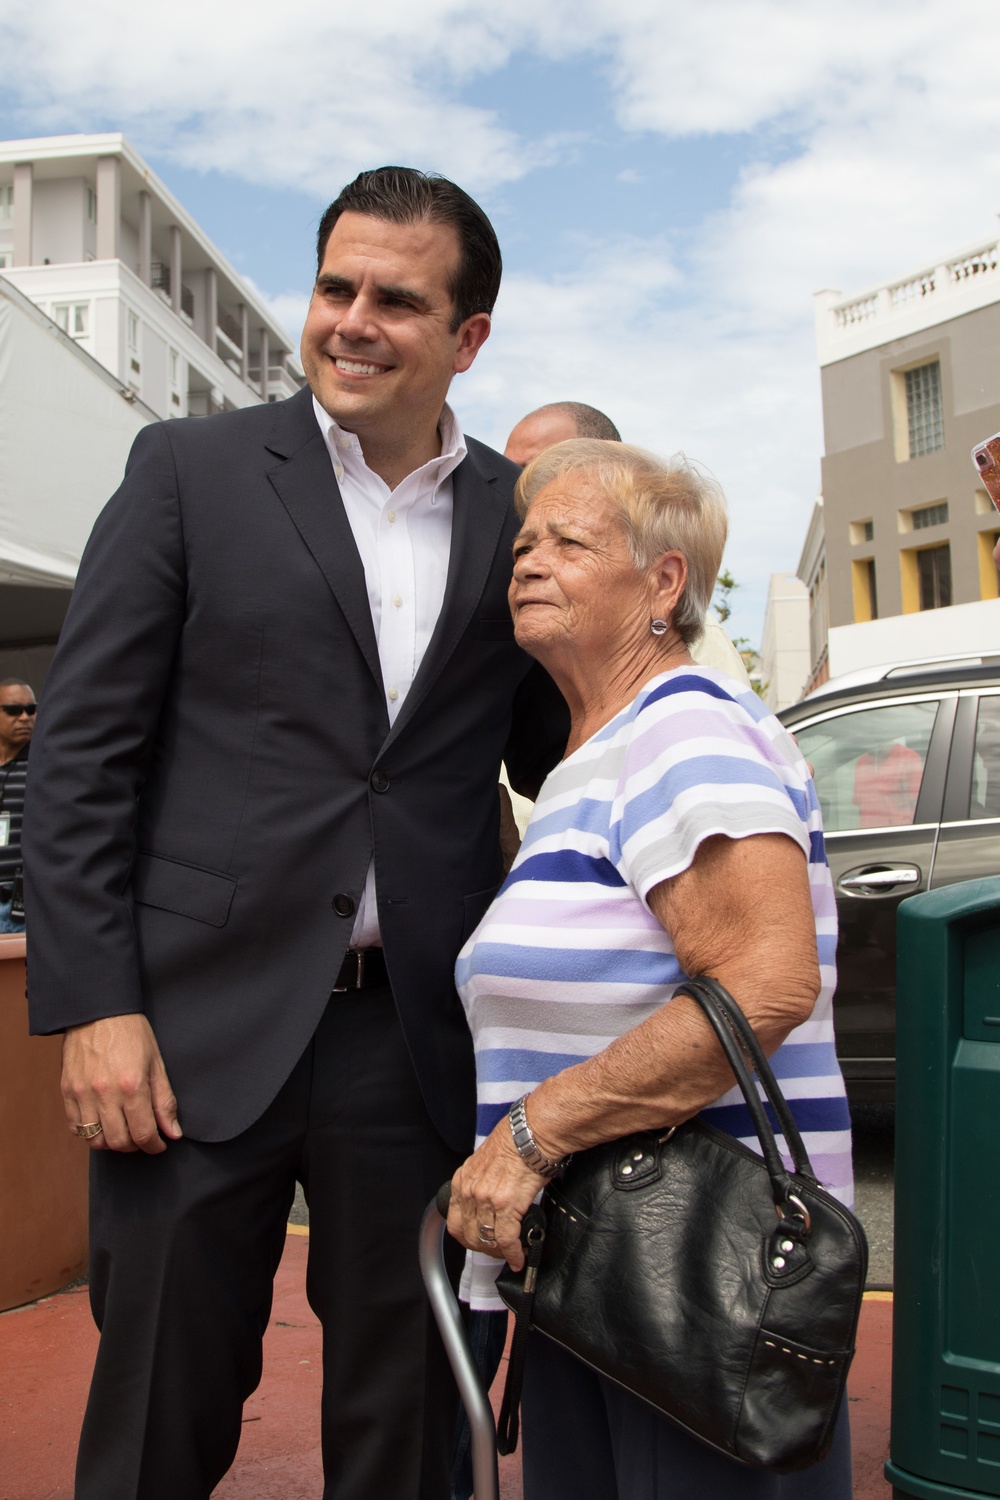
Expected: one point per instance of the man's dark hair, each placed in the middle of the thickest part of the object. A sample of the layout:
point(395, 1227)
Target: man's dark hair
point(16, 682)
point(589, 422)
point(402, 195)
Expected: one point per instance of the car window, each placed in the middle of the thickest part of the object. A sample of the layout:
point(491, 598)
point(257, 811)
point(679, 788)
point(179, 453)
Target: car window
point(868, 765)
point(984, 800)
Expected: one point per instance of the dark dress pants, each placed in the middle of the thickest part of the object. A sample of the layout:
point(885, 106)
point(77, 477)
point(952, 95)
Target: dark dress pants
point(584, 1438)
point(184, 1247)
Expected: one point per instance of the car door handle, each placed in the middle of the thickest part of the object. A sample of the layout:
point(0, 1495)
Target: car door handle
point(880, 879)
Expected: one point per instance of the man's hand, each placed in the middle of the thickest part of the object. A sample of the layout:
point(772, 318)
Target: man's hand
point(112, 1072)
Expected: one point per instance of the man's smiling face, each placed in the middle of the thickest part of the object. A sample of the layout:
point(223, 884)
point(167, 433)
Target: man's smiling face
point(378, 346)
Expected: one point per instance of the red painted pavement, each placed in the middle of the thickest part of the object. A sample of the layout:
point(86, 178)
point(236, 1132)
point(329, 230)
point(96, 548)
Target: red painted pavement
point(47, 1349)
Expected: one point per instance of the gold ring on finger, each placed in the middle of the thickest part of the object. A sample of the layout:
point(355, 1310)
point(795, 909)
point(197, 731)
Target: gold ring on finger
point(87, 1132)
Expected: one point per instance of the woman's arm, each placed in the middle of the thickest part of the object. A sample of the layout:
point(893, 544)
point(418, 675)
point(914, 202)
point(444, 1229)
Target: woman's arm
point(742, 913)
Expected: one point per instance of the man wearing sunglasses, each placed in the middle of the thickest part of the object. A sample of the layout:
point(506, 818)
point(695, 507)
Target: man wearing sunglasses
point(17, 720)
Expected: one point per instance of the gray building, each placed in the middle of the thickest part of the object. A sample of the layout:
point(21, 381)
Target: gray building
point(91, 235)
point(910, 376)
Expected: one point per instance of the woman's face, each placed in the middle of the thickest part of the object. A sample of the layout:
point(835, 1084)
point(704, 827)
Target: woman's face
point(574, 584)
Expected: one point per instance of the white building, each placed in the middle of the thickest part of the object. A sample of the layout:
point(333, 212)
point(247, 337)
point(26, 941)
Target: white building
point(66, 426)
point(90, 234)
point(784, 645)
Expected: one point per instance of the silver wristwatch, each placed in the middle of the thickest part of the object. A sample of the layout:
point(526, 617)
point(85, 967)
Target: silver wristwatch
point(527, 1146)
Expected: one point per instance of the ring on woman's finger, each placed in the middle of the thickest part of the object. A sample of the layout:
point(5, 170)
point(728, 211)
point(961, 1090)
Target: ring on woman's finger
point(487, 1233)
point(88, 1132)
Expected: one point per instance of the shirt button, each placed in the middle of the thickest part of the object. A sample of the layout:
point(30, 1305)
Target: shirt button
point(380, 781)
point(392, 516)
point(397, 600)
point(343, 905)
point(393, 694)
point(344, 440)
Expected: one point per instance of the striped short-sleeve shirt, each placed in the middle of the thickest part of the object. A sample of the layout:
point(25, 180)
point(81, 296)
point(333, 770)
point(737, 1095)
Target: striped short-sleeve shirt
point(569, 956)
point(13, 778)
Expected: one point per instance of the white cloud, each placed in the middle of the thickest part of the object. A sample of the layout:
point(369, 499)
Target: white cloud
point(623, 336)
point(875, 126)
point(291, 95)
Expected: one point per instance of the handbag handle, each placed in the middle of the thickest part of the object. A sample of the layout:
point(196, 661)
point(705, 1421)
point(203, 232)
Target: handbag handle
point(762, 1067)
point(738, 1042)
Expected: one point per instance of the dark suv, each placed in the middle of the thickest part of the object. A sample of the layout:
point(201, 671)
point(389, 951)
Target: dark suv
point(907, 767)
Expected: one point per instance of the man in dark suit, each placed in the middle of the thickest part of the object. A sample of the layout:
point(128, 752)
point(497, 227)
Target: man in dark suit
point(262, 820)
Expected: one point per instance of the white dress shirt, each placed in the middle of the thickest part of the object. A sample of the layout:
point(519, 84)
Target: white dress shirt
point(404, 539)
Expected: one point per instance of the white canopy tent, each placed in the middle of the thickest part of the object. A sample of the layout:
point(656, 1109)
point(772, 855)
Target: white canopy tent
point(66, 426)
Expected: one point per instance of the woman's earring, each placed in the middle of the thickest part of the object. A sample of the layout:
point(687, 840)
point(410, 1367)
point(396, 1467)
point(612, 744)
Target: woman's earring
point(659, 627)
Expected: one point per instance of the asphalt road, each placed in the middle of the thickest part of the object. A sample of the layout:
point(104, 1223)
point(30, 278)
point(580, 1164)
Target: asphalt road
point(874, 1138)
point(874, 1134)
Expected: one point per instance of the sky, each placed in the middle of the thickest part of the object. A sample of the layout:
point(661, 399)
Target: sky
point(670, 180)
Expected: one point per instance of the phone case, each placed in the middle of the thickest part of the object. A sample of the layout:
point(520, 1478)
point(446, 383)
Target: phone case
point(986, 457)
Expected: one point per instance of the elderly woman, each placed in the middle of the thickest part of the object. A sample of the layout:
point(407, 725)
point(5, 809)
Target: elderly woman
point(680, 835)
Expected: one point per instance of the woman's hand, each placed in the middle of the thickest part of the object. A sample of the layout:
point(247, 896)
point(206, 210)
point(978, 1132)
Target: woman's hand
point(492, 1191)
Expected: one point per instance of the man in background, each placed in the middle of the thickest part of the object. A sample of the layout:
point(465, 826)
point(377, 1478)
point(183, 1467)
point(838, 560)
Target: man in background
point(17, 720)
point(556, 423)
point(561, 420)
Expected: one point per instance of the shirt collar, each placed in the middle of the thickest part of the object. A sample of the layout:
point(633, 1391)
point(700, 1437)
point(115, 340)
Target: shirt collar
point(344, 446)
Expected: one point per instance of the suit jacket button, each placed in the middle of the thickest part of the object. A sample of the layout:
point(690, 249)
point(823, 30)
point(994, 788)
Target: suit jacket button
point(343, 905)
point(380, 781)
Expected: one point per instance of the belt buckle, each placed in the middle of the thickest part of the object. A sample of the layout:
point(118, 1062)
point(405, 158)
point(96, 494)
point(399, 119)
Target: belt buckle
point(358, 954)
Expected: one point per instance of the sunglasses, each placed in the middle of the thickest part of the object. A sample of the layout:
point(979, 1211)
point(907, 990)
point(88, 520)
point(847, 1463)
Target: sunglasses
point(15, 710)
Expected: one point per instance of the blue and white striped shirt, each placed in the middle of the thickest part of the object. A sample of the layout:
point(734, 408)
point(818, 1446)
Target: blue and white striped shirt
point(569, 956)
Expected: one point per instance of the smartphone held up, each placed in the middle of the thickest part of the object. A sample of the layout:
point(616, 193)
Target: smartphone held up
point(986, 457)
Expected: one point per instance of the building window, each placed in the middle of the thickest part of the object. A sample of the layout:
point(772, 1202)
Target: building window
point(934, 577)
point(861, 532)
point(865, 591)
point(5, 260)
point(930, 515)
point(924, 420)
point(7, 202)
point(989, 577)
point(869, 567)
point(91, 205)
point(73, 318)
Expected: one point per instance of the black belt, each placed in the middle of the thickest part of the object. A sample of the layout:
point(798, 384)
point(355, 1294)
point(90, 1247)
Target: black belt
point(362, 969)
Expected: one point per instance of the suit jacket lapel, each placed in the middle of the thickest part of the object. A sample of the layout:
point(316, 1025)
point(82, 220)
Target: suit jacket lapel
point(480, 510)
point(306, 487)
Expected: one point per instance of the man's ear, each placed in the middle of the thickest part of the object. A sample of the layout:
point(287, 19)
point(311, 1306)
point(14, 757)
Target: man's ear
point(472, 335)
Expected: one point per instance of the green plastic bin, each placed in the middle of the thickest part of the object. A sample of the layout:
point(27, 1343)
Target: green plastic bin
point(946, 1305)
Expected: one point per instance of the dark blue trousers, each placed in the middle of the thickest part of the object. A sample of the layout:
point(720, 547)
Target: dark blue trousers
point(585, 1438)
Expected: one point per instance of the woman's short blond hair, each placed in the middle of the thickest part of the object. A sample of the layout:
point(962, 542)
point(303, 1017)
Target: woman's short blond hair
point(665, 505)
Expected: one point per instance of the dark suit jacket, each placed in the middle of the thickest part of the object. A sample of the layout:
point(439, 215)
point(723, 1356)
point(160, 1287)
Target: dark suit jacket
point(213, 766)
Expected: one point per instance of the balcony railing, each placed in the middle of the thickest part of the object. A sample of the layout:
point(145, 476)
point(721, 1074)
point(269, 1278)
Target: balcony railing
point(230, 326)
point(159, 280)
point(929, 296)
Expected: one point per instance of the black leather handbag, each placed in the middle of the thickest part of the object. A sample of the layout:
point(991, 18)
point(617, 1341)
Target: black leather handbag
point(707, 1280)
